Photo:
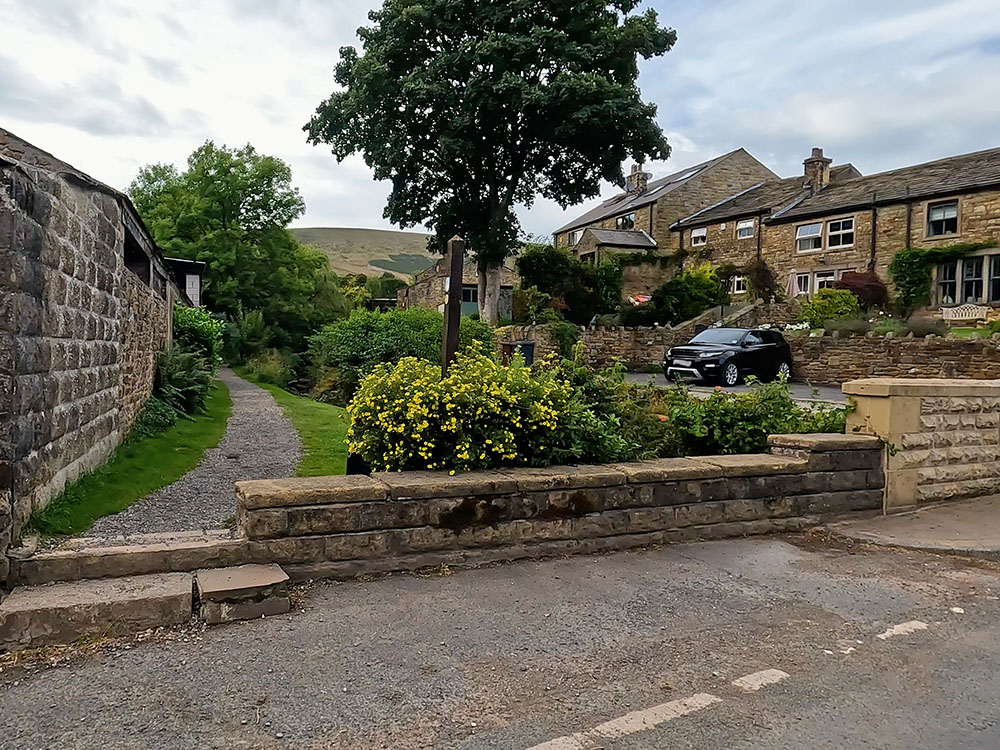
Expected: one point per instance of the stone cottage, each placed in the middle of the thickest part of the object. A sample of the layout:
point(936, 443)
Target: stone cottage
point(812, 229)
point(428, 289)
point(85, 307)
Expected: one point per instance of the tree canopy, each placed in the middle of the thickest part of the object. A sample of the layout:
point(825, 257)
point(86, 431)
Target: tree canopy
point(230, 208)
point(473, 108)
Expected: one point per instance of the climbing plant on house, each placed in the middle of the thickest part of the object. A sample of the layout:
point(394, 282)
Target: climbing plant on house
point(911, 269)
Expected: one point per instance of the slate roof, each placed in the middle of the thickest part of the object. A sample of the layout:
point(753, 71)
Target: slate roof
point(941, 177)
point(623, 238)
point(624, 202)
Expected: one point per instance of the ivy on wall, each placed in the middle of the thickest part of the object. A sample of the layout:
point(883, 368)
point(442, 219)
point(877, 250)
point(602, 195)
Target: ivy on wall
point(911, 269)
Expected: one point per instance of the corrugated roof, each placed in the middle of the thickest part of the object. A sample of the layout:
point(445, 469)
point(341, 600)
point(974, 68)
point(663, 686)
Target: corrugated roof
point(623, 238)
point(624, 202)
point(941, 177)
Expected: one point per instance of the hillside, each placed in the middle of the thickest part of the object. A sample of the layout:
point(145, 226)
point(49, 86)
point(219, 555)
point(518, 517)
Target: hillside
point(370, 251)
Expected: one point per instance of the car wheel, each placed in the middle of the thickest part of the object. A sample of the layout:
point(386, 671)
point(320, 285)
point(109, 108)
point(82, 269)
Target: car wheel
point(784, 371)
point(730, 374)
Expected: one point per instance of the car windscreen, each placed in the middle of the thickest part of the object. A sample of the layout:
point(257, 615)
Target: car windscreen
point(730, 336)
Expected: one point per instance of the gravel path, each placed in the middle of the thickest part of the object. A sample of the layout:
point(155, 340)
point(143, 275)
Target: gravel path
point(260, 443)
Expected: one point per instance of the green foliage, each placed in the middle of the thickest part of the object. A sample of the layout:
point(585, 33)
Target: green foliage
point(183, 379)
point(341, 353)
point(481, 415)
point(690, 293)
point(579, 289)
point(911, 269)
point(246, 335)
point(272, 366)
point(230, 208)
point(156, 416)
point(888, 324)
point(993, 327)
point(762, 283)
point(197, 330)
point(528, 304)
point(848, 326)
point(385, 286)
point(562, 331)
point(922, 325)
point(830, 304)
point(523, 99)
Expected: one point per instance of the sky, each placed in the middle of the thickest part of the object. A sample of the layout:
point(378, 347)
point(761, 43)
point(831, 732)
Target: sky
point(111, 85)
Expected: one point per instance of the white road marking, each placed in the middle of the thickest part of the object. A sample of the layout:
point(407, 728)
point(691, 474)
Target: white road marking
point(903, 629)
point(754, 682)
point(637, 721)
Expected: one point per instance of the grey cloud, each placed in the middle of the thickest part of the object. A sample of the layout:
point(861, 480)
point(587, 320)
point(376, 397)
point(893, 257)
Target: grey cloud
point(170, 71)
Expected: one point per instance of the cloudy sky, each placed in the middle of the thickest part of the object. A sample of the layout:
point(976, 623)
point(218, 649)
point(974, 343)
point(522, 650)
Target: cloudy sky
point(109, 85)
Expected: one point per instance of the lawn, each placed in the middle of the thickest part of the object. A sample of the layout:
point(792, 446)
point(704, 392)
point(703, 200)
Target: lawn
point(137, 469)
point(322, 427)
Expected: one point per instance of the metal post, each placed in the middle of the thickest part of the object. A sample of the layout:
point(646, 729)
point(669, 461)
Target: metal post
point(453, 302)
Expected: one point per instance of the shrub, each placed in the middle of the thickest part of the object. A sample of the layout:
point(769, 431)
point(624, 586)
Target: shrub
point(246, 335)
point(272, 366)
point(637, 316)
point(528, 304)
point(993, 327)
point(690, 293)
point(583, 290)
point(830, 304)
point(342, 353)
point(156, 416)
point(197, 330)
point(762, 282)
point(481, 415)
point(849, 326)
point(921, 325)
point(870, 290)
point(183, 379)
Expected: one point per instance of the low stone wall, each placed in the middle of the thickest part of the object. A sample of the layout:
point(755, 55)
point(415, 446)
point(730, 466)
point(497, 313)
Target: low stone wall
point(338, 526)
point(831, 361)
point(943, 436)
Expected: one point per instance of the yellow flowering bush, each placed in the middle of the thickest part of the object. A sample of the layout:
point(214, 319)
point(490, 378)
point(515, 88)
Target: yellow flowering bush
point(481, 415)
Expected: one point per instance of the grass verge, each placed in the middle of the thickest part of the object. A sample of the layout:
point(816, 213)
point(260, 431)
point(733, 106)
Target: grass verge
point(137, 468)
point(322, 427)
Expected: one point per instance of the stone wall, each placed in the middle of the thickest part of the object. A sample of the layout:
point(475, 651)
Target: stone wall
point(337, 526)
point(831, 361)
point(943, 436)
point(79, 330)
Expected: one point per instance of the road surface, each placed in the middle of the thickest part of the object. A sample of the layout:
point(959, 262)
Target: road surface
point(751, 644)
point(800, 391)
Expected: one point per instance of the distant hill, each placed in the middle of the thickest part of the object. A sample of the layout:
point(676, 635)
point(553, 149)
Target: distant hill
point(370, 251)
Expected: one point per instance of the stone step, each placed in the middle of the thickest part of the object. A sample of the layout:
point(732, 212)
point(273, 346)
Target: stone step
point(60, 613)
point(245, 592)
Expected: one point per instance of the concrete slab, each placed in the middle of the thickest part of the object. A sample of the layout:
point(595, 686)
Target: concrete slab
point(970, 528)
point(245, 592)
point(63, 612)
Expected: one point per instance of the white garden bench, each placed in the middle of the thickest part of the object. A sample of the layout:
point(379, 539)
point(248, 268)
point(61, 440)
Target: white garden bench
point(964, 313)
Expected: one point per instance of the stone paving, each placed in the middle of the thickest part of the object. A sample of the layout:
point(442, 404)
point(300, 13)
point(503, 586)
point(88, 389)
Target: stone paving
point(260, 443)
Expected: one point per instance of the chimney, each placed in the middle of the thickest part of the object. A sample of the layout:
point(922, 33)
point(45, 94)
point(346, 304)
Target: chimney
point(638, 180)
point(817, 171)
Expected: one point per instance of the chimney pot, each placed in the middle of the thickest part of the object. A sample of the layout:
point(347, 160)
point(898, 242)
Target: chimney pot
point(817, 153)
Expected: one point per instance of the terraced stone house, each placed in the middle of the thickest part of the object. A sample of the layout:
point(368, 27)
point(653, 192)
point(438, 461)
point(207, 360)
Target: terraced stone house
point(830, 220)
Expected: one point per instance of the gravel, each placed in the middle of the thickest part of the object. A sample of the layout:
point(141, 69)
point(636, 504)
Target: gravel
point(260, 443)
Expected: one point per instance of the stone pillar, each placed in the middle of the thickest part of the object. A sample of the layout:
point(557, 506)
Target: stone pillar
point(942, 436)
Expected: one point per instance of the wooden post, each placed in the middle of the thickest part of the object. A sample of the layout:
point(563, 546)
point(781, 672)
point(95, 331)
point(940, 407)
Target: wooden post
point(453, 302)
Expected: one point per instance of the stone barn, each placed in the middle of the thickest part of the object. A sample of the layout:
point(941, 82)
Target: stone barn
point(85, 307)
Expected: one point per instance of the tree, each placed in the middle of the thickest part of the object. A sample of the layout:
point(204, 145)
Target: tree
point(471, 109)
point(230, 208)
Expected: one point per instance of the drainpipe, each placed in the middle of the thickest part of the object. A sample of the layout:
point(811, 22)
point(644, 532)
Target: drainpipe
point(760, 232)
point(871, 260)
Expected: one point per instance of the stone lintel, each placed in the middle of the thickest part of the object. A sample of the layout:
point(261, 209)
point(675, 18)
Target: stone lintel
point(283, 493)
point(940, 387)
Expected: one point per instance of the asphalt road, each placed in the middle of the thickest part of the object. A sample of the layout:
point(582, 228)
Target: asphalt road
point(552, 654)
point(800, 391)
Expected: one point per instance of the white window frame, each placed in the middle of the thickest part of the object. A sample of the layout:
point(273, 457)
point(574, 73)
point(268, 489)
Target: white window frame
point(830, 233)
point(574, 237)
point(742, 227)
point(192, 288)
point(832, 276)
point(799, 277)
point(699, 236)
point(942, 204)
point(739, 285)
point(799, 237)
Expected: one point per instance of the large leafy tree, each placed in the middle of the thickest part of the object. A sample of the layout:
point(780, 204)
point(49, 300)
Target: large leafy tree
point(473, 107)
point(230, 208)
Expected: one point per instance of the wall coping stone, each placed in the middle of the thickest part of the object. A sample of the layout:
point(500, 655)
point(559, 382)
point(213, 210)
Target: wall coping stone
point(942, 387)
point(278, 493)
point(756, 464)
point(825, 442)
point(409, 485)
point(567, 477)
point(665, 469)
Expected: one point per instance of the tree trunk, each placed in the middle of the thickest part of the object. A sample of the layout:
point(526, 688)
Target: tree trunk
point(489, 293)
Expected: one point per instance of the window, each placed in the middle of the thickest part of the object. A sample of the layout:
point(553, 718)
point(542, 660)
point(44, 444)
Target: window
point(589, 258)
point(739, 285)
point(470, 294)
point(802, 283)
point(625, 222)
point(192, 287)
point(574, 237)
point(942, 218)
point(947, 283)
point(825, 279)
point(840, 233)
point(809, 238)
point(995, 278)
point(752, 339)
point(972, 280)
point(744, 229)
point(699, 236)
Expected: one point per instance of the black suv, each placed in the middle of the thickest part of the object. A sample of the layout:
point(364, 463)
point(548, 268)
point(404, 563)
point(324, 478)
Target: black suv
point(725, 355)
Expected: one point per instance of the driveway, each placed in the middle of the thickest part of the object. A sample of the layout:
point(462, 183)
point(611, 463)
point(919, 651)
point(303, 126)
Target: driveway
point(756, 644)
point(800, 391)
